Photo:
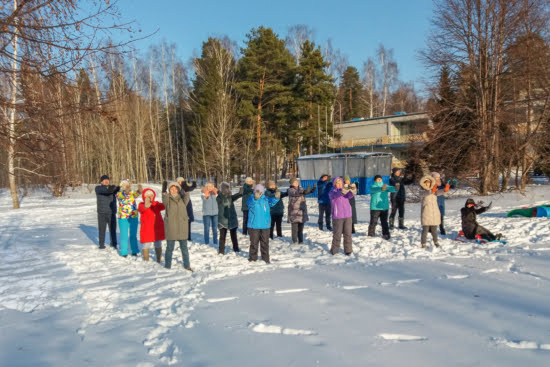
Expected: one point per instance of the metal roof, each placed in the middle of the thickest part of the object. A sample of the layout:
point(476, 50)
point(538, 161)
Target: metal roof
point(343, 155)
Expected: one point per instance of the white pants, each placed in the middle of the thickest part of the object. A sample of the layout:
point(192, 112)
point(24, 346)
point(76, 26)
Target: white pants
point(149, 245)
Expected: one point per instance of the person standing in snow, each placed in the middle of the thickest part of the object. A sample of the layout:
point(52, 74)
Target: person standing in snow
point(347, 181)
point(398, 197)
point(128, 217)
point(379, 207)
point(247, 191)
point(184, 191)
point(470, 227)
point(341, 215)
point(151, 232)
point(323, 188)
point(210, 212)
point(106, 210)
point(176, 223)
point(441, 200)
point(297, 209)
point(429, 212)
point(278, 211)
point(259, 222)
point(227, 216)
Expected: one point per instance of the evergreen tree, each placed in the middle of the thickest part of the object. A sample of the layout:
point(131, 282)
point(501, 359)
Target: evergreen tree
point(350, 92)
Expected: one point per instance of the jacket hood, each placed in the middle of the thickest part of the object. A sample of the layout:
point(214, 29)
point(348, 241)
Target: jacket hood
point(427, 178)
point(335, 179)
point(468, 202)
point(147, 190)
point(225, 188)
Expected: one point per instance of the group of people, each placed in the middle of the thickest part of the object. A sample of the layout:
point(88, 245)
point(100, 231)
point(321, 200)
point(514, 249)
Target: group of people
point(263, 212)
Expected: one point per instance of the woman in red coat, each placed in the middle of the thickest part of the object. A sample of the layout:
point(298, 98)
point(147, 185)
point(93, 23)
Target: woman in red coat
point(152, 225)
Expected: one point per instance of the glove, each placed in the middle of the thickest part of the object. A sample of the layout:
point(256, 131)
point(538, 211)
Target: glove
point(345, 190)
point(434, 189)
point(277, 194)
point(314, 187)
point(489, 206)
point(140, 188)
point(447, 187)
point(111, 188)
point(164, 186)
point(353, 186)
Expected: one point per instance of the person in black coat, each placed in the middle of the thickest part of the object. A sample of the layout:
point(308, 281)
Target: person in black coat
point(277, 212)
point(106, 210)
point(398, 197)
point(185, 190)
point(470, 227)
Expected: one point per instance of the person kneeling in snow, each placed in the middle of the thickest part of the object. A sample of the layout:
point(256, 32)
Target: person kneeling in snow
point(430, 214)
point(152, 226)
point(259, 222)
point(470, 227)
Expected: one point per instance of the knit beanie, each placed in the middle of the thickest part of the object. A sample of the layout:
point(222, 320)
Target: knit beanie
point(104, 177)
point(346, 178)
point(260, 188)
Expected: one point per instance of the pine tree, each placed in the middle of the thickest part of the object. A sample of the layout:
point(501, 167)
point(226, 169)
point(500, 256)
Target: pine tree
point(349, 94)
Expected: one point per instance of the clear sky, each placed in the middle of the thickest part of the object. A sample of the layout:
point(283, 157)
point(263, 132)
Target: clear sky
point(355, 27)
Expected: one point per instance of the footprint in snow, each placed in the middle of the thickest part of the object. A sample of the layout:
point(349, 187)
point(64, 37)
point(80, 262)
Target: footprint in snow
point(522, 344)
point(402, 337)
point(216, 300)
point(275, 329)
point(295, 290)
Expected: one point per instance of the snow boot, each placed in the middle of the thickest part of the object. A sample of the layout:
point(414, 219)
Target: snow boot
point(329, 228)
point(353, 228)
point(436, 244)
point(424, 245)
point(158, 252)
point(145, 254)
point(402, 223)
point(321, 226)
point(442, 228)
point(386, 237)
point(392, 222)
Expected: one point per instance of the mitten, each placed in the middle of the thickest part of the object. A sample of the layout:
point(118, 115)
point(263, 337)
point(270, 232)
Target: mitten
point(345, 190)
point(314, 187)
point(140, 188)
point(447, 187)
point(164, 186)
point(277, 194)
point(434, 189)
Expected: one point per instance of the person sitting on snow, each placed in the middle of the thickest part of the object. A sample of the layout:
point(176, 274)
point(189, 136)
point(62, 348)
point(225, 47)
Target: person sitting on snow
point(470, 227)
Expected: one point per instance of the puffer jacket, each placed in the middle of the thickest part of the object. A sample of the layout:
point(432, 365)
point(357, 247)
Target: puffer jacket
point(176, 220)
point(297, 206)
point(379, 199)
point(227, 215)
point(469, 221)
point(340, 206)
point(152, 224)
point(279, 208)
point(247, 191)
point(429, 212)
point(127, 205)
point(323, 189)
point(259, 211)
point(106, 198)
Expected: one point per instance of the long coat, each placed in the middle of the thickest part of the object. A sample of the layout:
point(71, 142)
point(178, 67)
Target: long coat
point(430, 215)
point(297, 207)
point(227, 215)
point(152, 225)
point(176, 220)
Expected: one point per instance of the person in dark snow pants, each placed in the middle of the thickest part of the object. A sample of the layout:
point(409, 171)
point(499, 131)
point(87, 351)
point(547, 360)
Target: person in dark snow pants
point(277, 211)
point(297, 209)
point(341, 215)
point(184, 191)
point(324, 185)
point(379, 207)
point(398, 197)
point(106, 210)
point(259, 222)
point(227, 216)
point(246, 192)
point(470, 227)
point(347, 181)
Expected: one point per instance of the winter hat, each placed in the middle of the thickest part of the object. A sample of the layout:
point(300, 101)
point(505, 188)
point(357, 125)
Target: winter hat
point(148, 192)
point(174, 184)
point(180, 179)
point(292, 180)
point(346, 178)
point(469, 201)
point(427, 178)
point(124, 182)
point(436, 175)
point(395, 169)
point(376, 177)
point(104, 177)
point(225, 188)
point(260, 188)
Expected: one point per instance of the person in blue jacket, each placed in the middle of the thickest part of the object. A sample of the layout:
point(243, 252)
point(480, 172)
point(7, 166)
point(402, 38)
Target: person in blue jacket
point(259, 221)
point(106, 210)
point(324, 185)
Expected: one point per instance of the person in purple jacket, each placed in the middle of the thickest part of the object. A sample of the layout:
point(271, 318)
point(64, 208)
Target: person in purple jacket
point(341, 215)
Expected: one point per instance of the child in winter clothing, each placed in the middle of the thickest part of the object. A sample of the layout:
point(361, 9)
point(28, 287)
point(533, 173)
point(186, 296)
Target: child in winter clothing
point(227, 216)
point(441, 199)
point(347, 181)
point(128, 217)
point(430, 215)
point(152, 226)
point(379, 206)
point(278, 210)
point(176, 221)
point(259, 222)
point(341, 215)
point(247, 191)
point(297, 209)
point(184, 191)
point(470, 227)
point(398, 197)
point(106, 210)
point(210, 212)
point(324, 185)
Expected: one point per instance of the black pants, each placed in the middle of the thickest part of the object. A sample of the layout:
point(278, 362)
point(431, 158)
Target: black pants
point(104, 220)
point(324, 210)
point(397, 204)
point(245, 221)
point(189, 238)
point(223, 235)
point(342, 227)
point(374, 215)
point(276, 220)
point(297, 232)
point(485, 233)
point(259, 236)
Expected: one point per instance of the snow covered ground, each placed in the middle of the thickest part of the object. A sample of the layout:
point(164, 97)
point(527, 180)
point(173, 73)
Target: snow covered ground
point(63, 302)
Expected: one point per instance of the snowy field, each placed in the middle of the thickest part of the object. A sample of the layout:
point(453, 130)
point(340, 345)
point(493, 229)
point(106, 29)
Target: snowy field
point(63, 302)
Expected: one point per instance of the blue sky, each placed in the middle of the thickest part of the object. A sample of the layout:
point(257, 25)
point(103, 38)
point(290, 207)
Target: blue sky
point(355, 27)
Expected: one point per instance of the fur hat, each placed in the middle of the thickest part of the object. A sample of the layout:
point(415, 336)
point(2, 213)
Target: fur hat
point(260, 188)
point(173, 183)
point(124, 181)
point(292, 180)
point(427, 178)
point(104, 177)
point(180, 179)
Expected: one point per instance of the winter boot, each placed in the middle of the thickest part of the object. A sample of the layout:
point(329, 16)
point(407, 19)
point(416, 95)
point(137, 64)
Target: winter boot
point(353, 228)
point(402, 223)
point(321, 226)
point(442, 228)
point(392, 221)
point(145, 254)
point(158, 252)
point(436, 244)
point(424, 245)
point(386, 237)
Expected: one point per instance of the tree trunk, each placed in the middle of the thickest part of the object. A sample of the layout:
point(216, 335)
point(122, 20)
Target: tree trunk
point(12, 112)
